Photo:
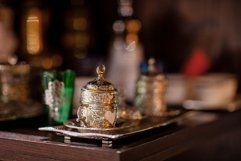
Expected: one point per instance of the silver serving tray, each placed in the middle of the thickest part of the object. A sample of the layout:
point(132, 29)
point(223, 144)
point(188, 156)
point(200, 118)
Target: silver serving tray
point(126, 128)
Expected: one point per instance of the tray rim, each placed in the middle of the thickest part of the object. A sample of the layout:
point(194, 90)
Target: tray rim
point(63, 130)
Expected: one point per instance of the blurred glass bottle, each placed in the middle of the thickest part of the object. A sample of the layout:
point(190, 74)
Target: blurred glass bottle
point(8, 41)
point(32, 30)
point(34, 46)
point(76, 36)
point(126, 52)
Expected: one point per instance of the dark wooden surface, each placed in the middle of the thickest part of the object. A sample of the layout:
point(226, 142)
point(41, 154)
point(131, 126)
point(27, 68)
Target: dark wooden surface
point(24, 142)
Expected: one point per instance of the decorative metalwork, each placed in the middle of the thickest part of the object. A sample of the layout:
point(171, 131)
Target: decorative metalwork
point(150, 92)
point(98, 105)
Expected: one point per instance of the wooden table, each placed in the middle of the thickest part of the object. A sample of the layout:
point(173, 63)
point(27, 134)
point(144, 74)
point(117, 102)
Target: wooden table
point(22, 141)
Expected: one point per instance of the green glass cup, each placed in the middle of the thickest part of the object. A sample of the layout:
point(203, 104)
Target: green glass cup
point(58, 94)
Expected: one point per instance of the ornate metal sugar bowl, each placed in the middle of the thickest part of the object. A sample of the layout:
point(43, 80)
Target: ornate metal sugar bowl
point(150, 92)
point(98, 105)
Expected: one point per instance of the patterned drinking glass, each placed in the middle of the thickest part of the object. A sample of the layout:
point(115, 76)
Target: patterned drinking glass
point(58, 94)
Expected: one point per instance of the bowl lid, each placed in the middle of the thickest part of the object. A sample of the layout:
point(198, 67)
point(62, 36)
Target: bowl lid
point(99, 84)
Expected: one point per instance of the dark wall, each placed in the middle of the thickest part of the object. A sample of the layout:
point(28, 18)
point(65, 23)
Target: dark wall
point(171, 29)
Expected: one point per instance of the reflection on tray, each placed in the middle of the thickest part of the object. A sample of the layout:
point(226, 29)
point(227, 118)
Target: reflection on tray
point(120, 124)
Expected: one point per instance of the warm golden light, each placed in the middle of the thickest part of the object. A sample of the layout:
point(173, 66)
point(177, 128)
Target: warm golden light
point(33, 32)
point(131, 38)
point(80, 23)
point(47, 63)
point(133, 26)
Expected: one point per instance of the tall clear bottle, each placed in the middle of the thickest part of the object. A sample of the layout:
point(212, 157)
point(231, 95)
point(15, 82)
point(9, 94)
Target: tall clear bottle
point(126, 52)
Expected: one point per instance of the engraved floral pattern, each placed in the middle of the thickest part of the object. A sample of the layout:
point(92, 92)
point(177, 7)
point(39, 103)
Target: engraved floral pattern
point(107, 98)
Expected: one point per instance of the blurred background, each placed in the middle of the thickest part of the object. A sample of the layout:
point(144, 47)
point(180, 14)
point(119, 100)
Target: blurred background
point(184, 36)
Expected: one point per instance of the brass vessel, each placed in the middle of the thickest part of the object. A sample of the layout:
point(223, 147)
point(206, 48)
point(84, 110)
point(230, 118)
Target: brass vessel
point(150, 92)
point(98, 105)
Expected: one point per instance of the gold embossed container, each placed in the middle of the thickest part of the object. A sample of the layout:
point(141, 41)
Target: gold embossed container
point(98, 105)
point(150, 92)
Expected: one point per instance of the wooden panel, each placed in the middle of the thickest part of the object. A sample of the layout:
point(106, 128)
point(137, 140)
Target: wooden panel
point(157, 145)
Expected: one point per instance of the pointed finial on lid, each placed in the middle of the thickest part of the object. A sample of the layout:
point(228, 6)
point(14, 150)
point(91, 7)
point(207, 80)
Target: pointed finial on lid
point(100, 70)
point(152, 66)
